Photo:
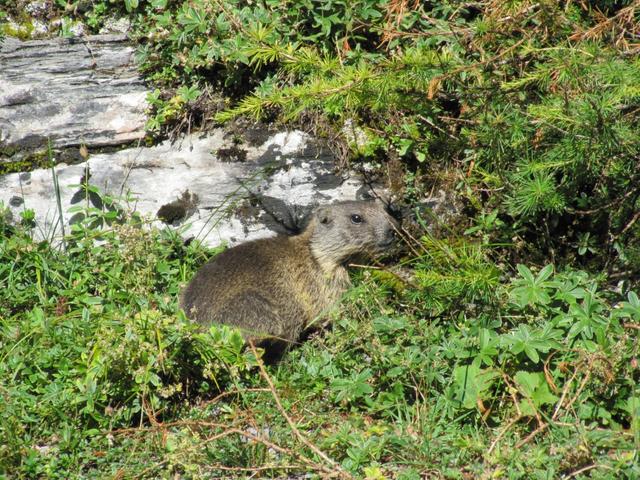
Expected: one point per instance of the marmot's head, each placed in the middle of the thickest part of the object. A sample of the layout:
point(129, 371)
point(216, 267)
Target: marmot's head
point(341, 230)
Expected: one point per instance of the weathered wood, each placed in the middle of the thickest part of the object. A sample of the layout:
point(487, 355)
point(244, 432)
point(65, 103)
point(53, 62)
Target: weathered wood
point(73, 91)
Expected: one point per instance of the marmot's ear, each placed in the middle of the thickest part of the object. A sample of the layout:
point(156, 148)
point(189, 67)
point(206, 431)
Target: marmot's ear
point(323, 215)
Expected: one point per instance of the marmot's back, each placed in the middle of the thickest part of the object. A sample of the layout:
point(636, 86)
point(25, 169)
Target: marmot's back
point(259, 286)
point(275, 287)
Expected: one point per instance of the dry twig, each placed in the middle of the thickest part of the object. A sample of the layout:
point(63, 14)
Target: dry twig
point(622, 26)
point(541, 428)
point(232, 392)
point(586, 469)
point(511, 423)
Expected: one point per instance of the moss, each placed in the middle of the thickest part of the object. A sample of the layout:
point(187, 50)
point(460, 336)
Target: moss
point(30, 161)
point(19, 159)
point(8, 151)
point(22, 30)
point(24, 158)
point(179, 209)
point(32, 153)
point(232, 154)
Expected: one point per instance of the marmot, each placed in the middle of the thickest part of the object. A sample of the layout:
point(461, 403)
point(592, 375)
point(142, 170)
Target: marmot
point(273, 288)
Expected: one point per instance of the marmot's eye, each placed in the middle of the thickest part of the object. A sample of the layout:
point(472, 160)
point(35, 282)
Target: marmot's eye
point(355, 218)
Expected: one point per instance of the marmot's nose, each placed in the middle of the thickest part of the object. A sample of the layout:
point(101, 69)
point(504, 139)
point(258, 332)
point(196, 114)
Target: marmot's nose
point(389, 236)
point(394, 226)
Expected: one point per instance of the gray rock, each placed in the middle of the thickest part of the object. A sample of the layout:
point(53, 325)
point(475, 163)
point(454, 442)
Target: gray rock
point(116, 25)
point(192, 188)
point(73, 91)
point(40, 28)
point(36, 9)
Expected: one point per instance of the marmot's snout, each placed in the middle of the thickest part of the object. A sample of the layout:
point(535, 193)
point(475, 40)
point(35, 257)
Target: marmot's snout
point(391, 231)
point(389, 238)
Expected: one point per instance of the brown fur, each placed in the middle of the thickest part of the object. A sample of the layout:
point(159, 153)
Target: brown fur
point(274, 288)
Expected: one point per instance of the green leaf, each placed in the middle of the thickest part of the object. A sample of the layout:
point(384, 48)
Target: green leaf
point(543, 396)
point(389, 325)
point(404, 145)
point(89, 300)
point(130, 5)
point(544, 274)
point(634, 301)
point(353, 388)
point(525, 273)
point(171, 442)
point(527, 381)
point(532, 353)
point(535, 390)
point(236, 341)
point(530, 290)
point(630, 309)
point(472, 383)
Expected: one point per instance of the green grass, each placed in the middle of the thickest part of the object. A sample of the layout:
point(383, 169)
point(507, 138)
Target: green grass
point(467, 370)
point(507, 351)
